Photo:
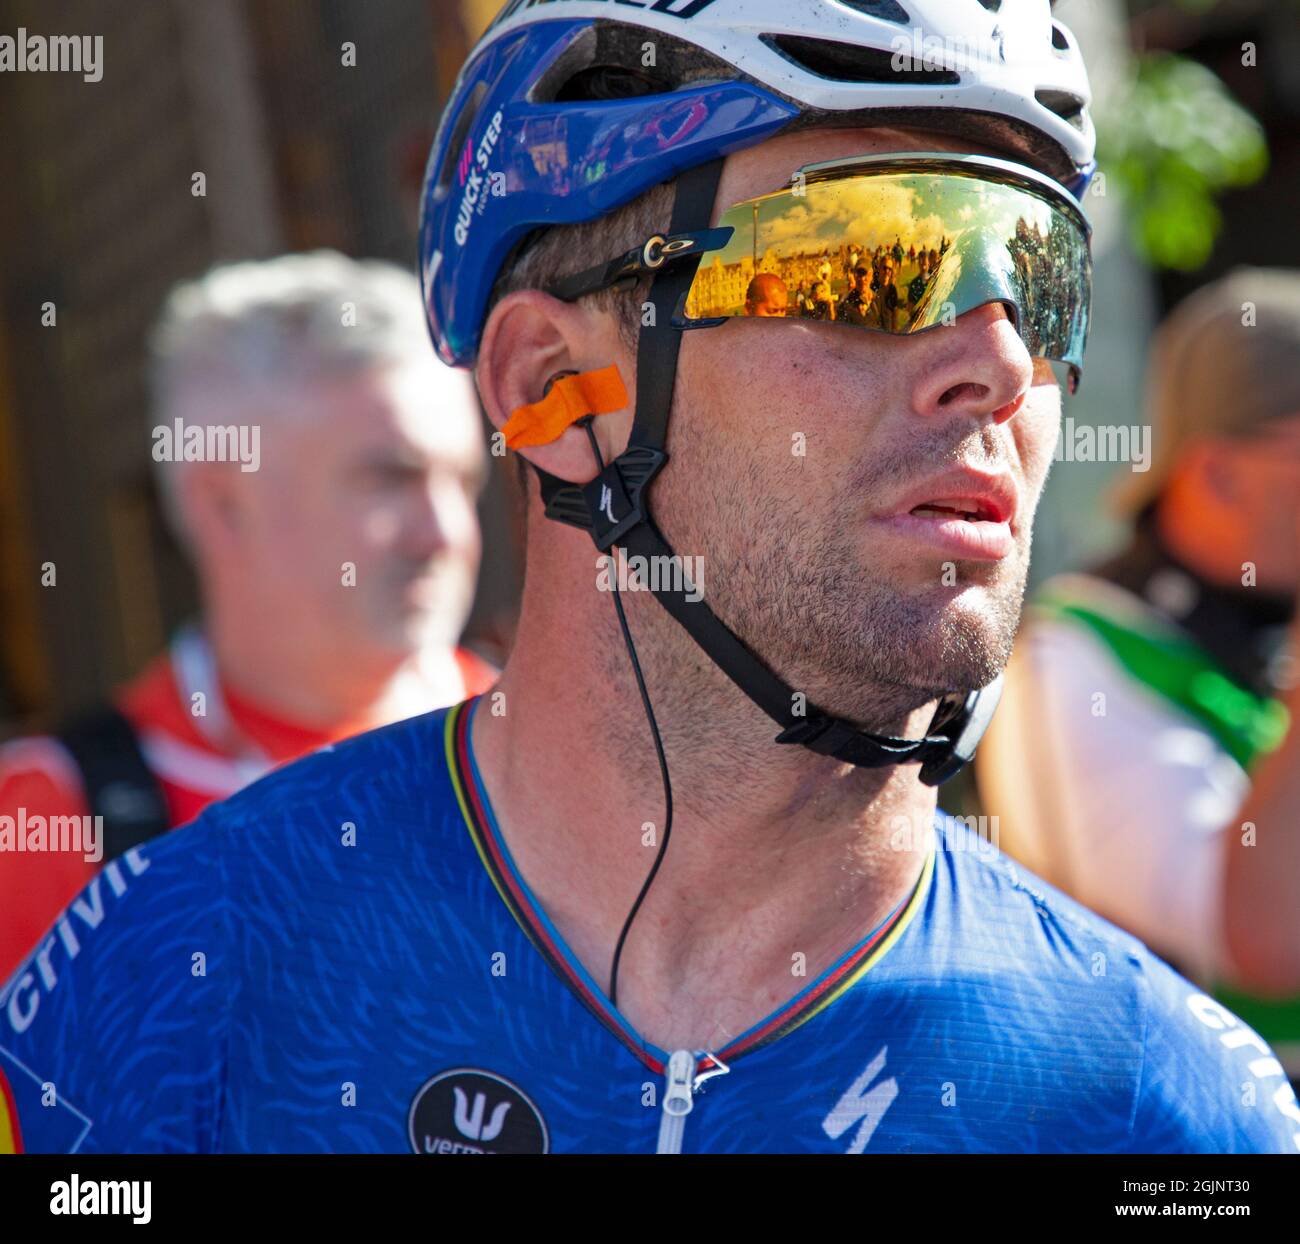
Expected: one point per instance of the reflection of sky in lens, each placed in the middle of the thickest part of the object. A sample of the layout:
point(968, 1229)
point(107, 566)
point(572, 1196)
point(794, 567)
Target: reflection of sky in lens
point(872, 211)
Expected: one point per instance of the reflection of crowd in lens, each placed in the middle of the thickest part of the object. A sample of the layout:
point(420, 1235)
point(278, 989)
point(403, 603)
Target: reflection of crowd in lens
point(878, 288)
point(1046, 268)
point(767, 295)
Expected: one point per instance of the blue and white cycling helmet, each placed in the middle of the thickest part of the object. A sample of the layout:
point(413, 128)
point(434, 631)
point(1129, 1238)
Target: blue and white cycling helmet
point(569, 109)
point(558, 98)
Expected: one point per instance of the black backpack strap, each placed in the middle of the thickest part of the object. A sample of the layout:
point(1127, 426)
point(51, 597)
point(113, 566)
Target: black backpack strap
point(119, 784)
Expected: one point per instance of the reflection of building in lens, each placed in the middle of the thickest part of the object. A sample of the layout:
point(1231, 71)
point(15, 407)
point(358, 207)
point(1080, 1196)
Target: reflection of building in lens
point(723, 289)
point(720, 289)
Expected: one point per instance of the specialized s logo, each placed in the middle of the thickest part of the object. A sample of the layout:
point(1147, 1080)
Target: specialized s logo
point(863, 1106)
point(472, 1111)
point(607, 502)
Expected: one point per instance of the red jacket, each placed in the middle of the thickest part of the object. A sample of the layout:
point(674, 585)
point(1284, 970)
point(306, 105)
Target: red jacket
point(39, 777)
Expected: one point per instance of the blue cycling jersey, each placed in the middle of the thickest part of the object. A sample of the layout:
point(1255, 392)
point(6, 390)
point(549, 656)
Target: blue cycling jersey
point(344, 957)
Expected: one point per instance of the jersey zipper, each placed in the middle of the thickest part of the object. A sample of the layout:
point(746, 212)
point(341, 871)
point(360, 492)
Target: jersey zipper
point(680, 1083)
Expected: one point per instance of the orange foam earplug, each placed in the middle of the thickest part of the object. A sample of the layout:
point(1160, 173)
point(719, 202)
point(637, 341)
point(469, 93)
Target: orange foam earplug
point(570, 399)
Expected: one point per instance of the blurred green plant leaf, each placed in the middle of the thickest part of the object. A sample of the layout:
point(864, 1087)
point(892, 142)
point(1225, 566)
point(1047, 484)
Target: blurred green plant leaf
point(1171, 142)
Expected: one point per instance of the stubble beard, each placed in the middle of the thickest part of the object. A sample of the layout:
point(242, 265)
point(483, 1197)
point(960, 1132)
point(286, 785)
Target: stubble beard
point(803, 594)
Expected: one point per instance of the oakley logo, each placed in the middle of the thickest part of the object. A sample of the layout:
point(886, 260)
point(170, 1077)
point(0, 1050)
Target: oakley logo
point(471, 1126)
point(656, 250)
point(862, 1106)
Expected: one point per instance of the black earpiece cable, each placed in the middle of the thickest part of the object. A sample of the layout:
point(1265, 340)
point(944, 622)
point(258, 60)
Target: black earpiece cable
point(586, 423)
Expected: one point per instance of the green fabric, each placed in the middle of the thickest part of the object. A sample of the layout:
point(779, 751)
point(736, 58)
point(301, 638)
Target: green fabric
point(1278, 1022)
point(1247, 726)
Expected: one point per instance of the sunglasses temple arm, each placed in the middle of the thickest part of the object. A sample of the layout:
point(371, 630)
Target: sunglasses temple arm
point(641, 261)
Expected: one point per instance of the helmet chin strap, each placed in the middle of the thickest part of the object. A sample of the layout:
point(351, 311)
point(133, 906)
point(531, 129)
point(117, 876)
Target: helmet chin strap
point(614, 508)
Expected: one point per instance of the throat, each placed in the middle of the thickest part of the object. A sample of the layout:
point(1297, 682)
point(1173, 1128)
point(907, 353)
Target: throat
point(745, 990)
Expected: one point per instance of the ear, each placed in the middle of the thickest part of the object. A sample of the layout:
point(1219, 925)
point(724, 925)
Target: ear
point(529, 337)
point(1214, 462)
point(210, 502)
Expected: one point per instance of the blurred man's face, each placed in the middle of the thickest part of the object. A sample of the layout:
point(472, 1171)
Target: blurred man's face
point(382, 472)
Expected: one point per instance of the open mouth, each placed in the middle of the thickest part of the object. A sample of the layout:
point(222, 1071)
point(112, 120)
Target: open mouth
point(971, 510)
point(964, 518)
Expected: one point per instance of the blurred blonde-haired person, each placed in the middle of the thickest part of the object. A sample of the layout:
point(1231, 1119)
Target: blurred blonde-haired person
point(1144, 758)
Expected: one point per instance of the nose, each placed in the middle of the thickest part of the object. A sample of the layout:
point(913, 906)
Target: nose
point(978, 367)
point(425, 530)
point(442, 520)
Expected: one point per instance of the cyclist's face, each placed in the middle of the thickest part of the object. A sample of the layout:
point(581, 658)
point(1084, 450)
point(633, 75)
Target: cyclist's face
point(803, 454)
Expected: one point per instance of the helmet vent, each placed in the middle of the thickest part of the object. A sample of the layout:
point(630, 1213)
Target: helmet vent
point(992, 5)
point(1060, 40)
point(848, 62)
point(1066, 106)
point(886, 10)
point(610, 82)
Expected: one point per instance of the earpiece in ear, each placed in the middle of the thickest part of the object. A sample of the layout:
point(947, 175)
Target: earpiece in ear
point(559, 375)
point(576, 394)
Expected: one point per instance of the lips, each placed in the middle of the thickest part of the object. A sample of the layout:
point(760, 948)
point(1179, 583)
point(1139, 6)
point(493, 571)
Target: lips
point(966, 495)
point(963, 515)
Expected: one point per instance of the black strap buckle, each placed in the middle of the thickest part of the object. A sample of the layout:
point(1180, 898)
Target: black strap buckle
point(831, 736)
point(615, 499)
point(942, 753)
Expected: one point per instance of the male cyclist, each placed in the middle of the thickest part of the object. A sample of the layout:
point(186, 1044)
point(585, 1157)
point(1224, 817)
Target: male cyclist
point(599, 908)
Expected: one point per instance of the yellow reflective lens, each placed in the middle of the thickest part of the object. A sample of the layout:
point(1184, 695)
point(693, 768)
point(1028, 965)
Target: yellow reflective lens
point(905, 246)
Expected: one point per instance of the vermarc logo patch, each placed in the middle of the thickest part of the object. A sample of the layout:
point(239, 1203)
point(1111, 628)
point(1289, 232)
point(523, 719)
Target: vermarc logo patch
point(467, 1110)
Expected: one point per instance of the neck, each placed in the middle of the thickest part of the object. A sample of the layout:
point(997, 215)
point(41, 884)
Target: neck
point(279, 670)
point(775, 852)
